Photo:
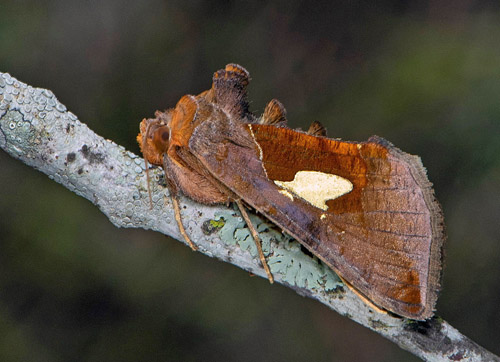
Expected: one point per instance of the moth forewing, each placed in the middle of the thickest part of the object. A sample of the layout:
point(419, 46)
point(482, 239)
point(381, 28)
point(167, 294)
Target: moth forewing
point(378, 236)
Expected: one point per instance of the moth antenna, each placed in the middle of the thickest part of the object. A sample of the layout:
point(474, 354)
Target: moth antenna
point(148, 183)
point(257, 240)
point(317, 129)
point(146, 165)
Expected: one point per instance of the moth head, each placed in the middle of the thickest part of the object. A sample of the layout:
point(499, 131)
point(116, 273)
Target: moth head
point(154, 136)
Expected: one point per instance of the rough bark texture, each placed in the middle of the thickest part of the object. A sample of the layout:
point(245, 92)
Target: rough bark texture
point(38, 130)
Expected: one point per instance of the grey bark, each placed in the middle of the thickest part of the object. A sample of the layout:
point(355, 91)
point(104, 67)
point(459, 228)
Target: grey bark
point(38, 130)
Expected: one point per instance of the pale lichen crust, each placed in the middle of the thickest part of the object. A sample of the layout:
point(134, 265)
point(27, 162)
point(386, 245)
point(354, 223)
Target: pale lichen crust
point(284, 255)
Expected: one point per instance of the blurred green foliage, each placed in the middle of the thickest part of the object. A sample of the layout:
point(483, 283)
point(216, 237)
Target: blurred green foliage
point(424, 75)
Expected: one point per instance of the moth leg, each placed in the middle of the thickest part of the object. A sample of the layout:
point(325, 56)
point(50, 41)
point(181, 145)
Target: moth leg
point(174, 192)
point(177, 213)
point(257, 240)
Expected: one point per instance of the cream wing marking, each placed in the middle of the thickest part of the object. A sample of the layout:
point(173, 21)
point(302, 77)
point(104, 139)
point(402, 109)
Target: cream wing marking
point(317, 187)
point(286, 193)
point(313, 186)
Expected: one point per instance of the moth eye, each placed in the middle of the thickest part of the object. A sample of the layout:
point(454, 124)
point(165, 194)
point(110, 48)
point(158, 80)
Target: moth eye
point(161, 138)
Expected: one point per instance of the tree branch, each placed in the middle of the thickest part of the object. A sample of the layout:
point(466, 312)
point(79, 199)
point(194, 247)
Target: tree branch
point(38, 130)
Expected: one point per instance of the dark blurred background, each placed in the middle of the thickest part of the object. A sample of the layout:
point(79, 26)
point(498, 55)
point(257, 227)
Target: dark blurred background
point(425, 75)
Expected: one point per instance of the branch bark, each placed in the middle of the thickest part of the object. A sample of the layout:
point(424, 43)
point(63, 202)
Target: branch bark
point(38, 130)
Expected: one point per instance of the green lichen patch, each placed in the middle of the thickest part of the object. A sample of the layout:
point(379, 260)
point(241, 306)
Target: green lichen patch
point(284, 255)
point(218, 223)
point(211, 226)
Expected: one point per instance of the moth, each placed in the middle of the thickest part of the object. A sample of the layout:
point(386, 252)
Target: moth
point(366, 209)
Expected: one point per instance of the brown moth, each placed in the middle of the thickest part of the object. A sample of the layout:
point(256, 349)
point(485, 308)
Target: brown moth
point(366, 209)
